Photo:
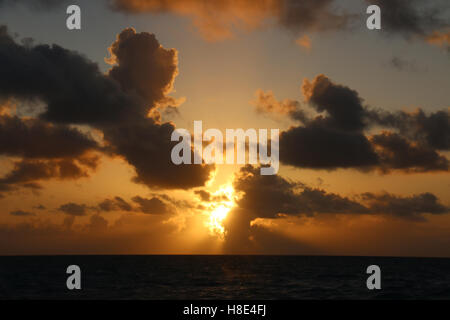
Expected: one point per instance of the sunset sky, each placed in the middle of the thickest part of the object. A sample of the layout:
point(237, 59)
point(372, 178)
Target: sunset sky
point(86, 118)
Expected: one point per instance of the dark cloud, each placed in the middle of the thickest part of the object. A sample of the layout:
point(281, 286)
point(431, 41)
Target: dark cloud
point(152, 206)
point(412, 17)
point(343, 106)
point(395, 152)
point(114, 204)
point(321, 148)
point(337, 136)
point(107, 205)
point(147, 146)
point(179, 204)
point(122, 204)
point(48, 151)
point(275, 197)
point(74, 209)
point(402, 64)
point(26, 173)
point(34, 138)
point(39, 207)
point(268, 196)
point(21, 213)
point(74, 91)
point(318, 15)
point(143, 66)
point(203, 195)
point(411, 207)
point(206, 196)
point(332, 139)
point(432, 129)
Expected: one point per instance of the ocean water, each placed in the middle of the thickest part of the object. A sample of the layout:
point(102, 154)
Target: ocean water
point(223, 277)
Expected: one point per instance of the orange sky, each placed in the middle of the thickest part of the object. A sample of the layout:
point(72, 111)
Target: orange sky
point(216, 64)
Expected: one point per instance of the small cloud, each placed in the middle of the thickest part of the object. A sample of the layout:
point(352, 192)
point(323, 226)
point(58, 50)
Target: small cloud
point(114, 204)
point(122, 204)
point(73, 209)
point(203, 195)
point(266, 103)
point(21, 213)
point(304, 41)
point(151, 206)
point(403, 65)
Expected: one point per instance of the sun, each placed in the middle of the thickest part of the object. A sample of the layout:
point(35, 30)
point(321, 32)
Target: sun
point(219, 209)
point(216, 218)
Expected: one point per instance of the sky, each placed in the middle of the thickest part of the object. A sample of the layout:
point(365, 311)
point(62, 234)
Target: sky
point(86, 118)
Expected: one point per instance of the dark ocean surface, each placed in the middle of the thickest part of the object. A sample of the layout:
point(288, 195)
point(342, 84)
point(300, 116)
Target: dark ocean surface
point(223, 277)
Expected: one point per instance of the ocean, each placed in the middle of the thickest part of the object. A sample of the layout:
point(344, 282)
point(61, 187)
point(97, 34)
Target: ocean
point(223, 277)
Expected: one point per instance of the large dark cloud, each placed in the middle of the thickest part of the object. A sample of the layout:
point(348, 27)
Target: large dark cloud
point(48, 152)
point(74, 91)
point(147, 146)
point(72, 87)
point(145, 68)
point(275, 197)
point(334, 138)
point(322, 148)
point(338, 136)
point(268, 196)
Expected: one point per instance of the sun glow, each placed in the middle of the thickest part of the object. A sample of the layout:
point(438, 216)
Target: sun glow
point(223, 202)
